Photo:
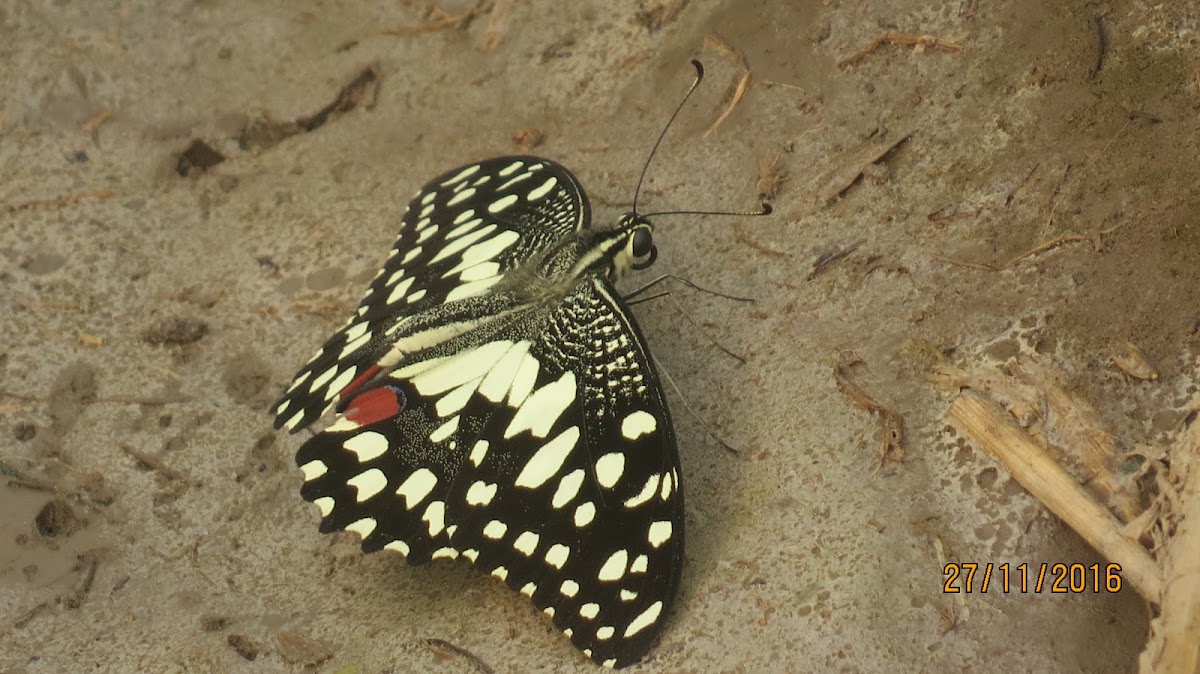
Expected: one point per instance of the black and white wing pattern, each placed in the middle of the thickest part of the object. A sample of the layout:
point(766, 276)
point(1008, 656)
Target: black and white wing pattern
point(459, 236)
point(520, 426)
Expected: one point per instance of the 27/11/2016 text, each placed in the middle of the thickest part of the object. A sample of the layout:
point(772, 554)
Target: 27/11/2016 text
point(1058, 578)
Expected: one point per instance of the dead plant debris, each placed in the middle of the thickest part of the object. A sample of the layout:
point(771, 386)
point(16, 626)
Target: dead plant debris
point(59, 202)
point(856, 161)
point(265, 132)
point(824, 260)
point(891, 447)
point(741, 235)
point(918, 42)
point(717, 43)
point(445, 650)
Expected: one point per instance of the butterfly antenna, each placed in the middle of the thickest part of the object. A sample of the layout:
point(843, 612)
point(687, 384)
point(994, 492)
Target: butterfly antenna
point(699, 76)
point(764, 209)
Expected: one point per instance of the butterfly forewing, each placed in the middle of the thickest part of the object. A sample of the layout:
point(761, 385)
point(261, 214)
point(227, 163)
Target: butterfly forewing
point(530, 437)
point(460, 235)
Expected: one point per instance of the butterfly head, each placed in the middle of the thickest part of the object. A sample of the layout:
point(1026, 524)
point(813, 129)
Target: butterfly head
point(639, 251)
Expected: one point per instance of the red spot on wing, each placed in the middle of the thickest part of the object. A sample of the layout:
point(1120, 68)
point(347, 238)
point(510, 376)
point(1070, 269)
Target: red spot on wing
point(375, 405)
point(358, 381)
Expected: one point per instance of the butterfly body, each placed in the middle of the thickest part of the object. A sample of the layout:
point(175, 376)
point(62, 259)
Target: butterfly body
point(497, 402)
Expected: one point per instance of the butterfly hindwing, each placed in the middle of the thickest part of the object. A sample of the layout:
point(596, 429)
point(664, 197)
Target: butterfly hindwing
point(540, 449)
point(460, 235)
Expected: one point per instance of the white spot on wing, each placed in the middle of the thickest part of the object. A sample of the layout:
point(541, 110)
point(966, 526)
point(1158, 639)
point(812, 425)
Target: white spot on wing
point(313, 469)
point(523, 381)
point(410, 255)
point(350, 348)
point(445, 430)
point(478, 452)
point(557, 555)
point(417, 487)
point(483, 270)
point(604, 634)
point(508, 170)
point(362, 527)
point(455, 400)
point(495, 530)
point(462, 175)
point(466, 366)
point(644, 495)
point(638, 424)
point(400, 290)
point(639, 565)
point(299, 380)
point(644, 619)
point(548, 459)
point(296, 419)
point(325, 505)
point(502, 203)
point(568, 488)
point(614, 567)
point(435, 515)
point(463, 228)
point(368, 483)
point(500, 378)
point(589, 610)
point(425, 232)
point(659, 533)
point(397, 546)
point(609, 469)
point(358, 330)
point(543, 189)
point(526, 543)
point(543, 407)
point(480, 493)
point(569, 588)
point(445, 553)
point(488, 249)
point(472, 288)
point(366, 445)
point(323, 379)
point(462, 242)
point(584, 514)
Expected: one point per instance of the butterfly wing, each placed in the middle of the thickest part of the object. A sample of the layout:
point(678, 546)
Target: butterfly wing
point(541, 450)
point(461, 234)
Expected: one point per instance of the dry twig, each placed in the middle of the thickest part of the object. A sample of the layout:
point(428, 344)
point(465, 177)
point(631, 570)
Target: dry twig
point(446, 650)
point(993, 428)
point(742, 236)
point(60, 202)
point(893, 423)
point(717, 43)
point(918, 42)
point(857, 160)
point(158, 466)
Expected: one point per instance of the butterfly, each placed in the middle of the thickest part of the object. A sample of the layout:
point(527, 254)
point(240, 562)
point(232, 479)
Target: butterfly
point(496, 401)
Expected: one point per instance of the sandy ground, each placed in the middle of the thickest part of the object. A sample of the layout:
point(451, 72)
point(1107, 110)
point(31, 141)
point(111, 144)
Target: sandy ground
point(150, 519)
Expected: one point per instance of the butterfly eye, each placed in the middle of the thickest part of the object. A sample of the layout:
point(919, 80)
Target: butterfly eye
point(643, 249)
